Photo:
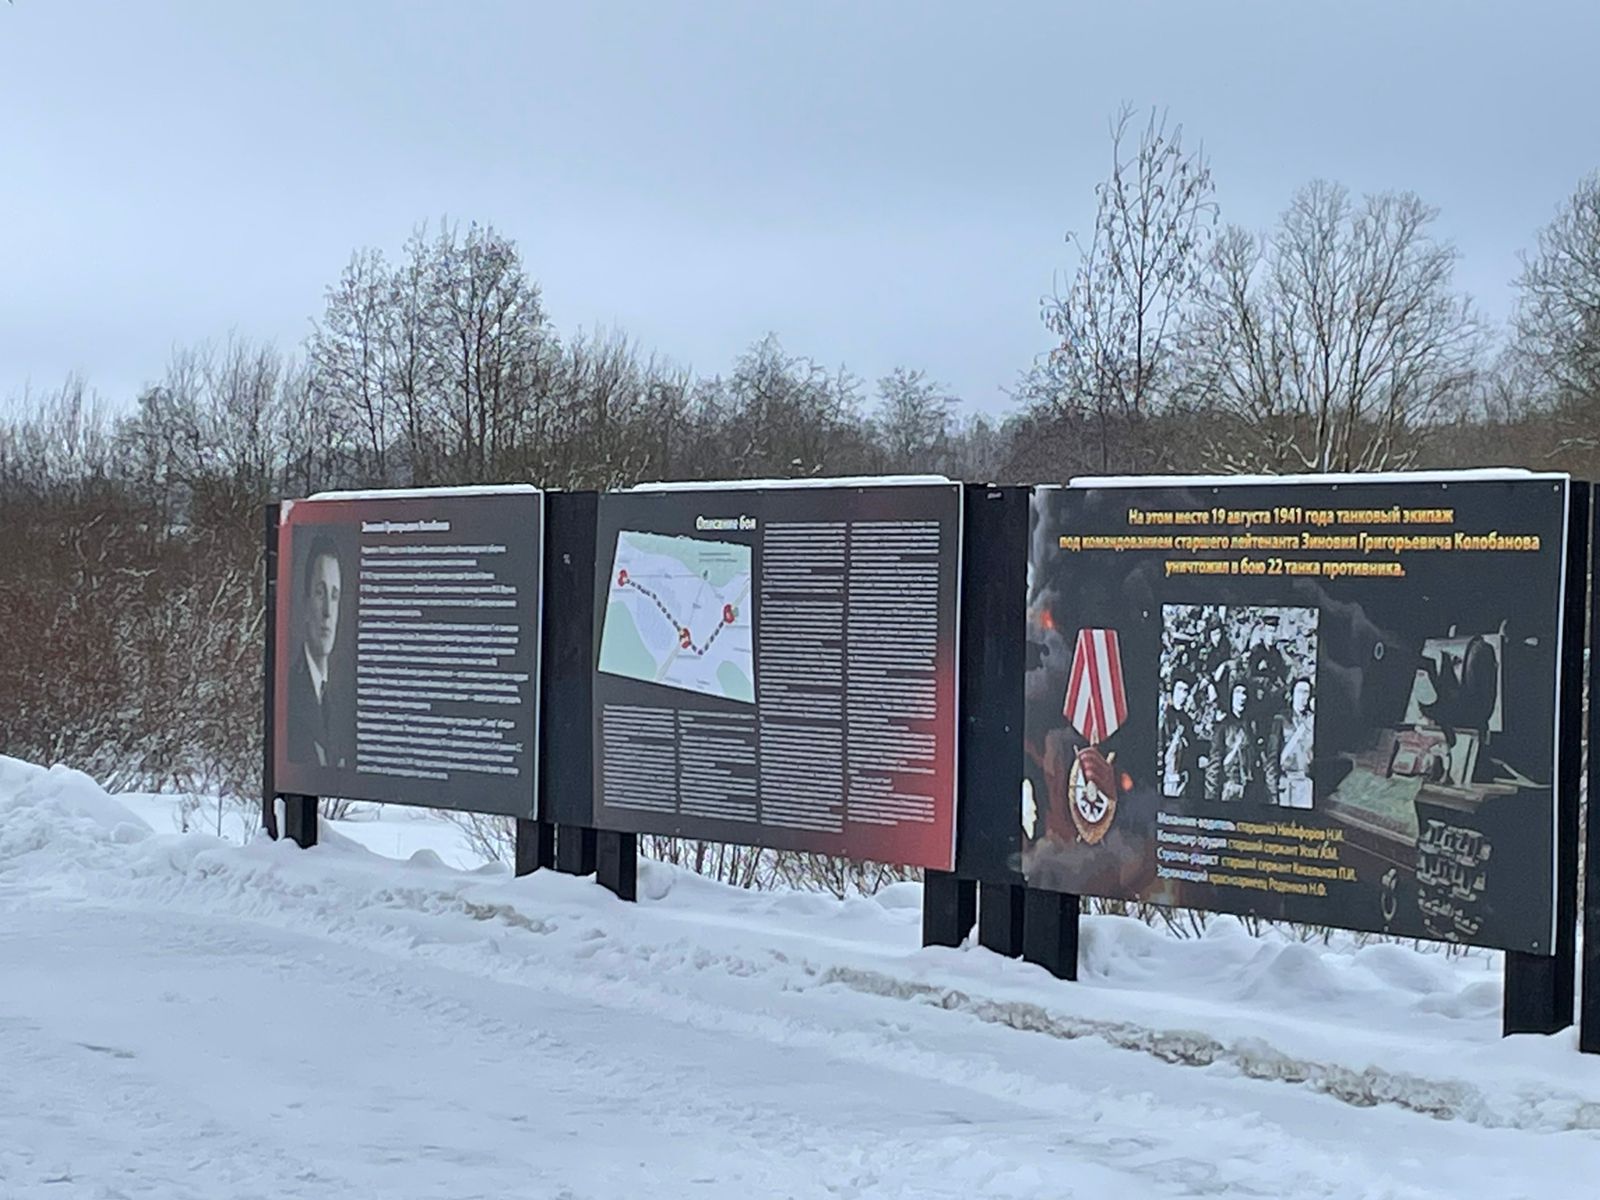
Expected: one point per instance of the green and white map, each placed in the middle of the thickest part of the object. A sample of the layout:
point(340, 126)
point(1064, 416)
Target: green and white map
point(679, 612)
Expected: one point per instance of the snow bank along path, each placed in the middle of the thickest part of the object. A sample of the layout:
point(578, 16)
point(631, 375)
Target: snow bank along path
point(181, 1017)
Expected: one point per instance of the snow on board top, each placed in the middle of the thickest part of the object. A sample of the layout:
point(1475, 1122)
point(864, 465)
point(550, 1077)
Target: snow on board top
point(493, 489)
point(1475, 475)
point(750, 485)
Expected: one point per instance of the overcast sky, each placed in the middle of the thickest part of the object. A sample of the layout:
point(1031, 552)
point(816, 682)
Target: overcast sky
point(878, 183)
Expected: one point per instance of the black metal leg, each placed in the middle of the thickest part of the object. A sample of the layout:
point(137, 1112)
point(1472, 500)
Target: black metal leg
point(1050, 932)
point(949, 908)
point(575, 850)
point(617, 863)
point(1000, 913)
point(536, 846)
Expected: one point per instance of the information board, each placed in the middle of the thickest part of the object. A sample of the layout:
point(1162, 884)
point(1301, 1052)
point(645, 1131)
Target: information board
point(776, 666)
point(1332, 702)
point(407, 660)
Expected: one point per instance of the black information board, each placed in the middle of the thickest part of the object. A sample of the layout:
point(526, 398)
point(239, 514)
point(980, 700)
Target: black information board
point(407, 660)
point(1333, 702)
point(776, 666)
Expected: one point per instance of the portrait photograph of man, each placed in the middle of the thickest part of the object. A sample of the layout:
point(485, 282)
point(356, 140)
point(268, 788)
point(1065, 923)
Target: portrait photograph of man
point(321, 697)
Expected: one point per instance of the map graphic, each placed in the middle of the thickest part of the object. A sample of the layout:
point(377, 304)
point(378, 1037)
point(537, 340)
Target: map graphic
point(679, 612)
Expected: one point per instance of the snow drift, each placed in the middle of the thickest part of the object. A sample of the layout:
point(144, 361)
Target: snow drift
point(1223, 1028)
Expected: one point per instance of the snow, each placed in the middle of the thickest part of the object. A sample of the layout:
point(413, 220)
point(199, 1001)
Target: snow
point(1470, 475)
point(752, 485)
point(181, 1016)
point(394, 830)
point(432, 493)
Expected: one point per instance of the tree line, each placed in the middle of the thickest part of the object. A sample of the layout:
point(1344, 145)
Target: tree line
point(1336, 340)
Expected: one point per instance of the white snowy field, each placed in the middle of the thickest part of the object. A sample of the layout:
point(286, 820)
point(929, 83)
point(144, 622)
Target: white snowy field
point(185, 1017)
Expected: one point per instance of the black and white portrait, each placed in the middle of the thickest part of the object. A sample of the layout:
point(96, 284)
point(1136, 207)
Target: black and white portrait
point(320, 700)
point(1237, 719)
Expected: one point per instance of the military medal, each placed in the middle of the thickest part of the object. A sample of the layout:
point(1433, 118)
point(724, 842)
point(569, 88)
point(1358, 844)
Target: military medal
point(1092, 787)
point(1096, 707)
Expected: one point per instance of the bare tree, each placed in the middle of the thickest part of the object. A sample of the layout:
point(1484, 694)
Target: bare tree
point(415, 369)
point(668, 391)
point(1558, 317)
point(1117, 327)
point(348, 353)
point(780, 415)
point(441, 368)
point(131, 545)
point(143, 631)
point(913, 420)
point(1334, 343)
point(604, 417)
point(495, 347)
point(977, 449)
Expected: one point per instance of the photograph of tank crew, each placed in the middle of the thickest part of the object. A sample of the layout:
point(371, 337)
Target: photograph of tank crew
point(1238, 704)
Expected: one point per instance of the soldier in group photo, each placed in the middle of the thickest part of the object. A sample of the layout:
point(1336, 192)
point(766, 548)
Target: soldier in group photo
point(1181, 763)
point(1293, 735)
point(1236, 770)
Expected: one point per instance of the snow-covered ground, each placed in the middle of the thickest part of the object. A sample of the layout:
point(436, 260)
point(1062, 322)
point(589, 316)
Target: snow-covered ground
point(185, 1017)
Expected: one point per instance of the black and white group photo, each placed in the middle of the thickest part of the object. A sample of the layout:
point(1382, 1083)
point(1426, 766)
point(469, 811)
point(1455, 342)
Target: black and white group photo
point(1238, 704)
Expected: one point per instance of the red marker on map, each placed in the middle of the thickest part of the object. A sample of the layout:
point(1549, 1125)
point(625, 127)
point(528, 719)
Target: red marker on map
point(727, 614)
point(622, 577)
point(683, 638)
